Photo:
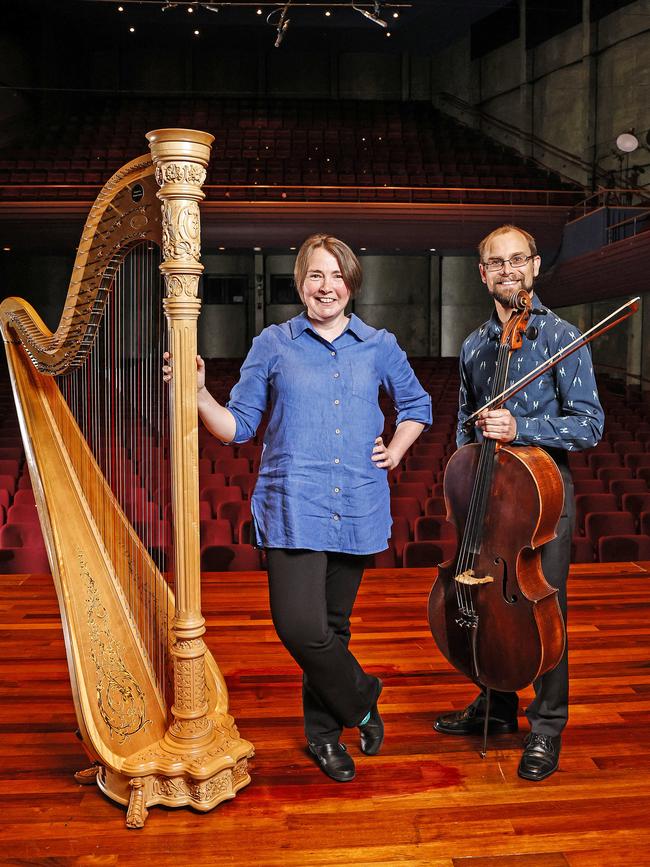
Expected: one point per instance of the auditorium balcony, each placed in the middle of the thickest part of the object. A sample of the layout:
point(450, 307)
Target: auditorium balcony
point(274, 149)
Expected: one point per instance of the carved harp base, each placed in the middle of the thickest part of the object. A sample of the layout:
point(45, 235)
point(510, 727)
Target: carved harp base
point(158, 776)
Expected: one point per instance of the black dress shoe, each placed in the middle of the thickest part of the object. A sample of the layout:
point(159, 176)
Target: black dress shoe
point(470, 722)
point(541, 756)
point(372, 732)
point(333, 760)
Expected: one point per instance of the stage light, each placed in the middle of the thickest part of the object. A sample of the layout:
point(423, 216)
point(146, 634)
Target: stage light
point(371, 16)
point(627, 142)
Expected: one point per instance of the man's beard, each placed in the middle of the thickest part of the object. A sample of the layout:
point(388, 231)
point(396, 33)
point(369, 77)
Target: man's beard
point(503, 294)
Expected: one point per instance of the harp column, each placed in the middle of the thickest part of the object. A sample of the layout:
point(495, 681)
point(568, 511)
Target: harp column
point(181, 158)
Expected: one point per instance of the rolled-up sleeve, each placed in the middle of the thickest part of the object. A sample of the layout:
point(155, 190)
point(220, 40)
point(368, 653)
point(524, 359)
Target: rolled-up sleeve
point(411, 401)
point(249, 397)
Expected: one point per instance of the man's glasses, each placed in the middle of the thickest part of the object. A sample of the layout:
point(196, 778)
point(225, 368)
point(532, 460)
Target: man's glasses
point(516, 261)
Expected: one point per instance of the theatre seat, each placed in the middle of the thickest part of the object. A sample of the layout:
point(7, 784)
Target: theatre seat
point(586, 503)
point(581, 550)
point(622, 549)
point(433, 528)
point(230, 558)
point(16, 561)
point(599, 524)
point(417, 554)
point(216, 531)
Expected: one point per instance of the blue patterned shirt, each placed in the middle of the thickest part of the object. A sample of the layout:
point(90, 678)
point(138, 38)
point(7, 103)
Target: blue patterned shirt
point(317, 487)
point(560, 410)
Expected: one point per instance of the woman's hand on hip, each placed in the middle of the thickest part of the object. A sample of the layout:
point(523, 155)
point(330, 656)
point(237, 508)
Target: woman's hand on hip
point(382, 456)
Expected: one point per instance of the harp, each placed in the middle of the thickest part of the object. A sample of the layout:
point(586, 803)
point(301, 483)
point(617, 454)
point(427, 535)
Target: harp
point(151, 703)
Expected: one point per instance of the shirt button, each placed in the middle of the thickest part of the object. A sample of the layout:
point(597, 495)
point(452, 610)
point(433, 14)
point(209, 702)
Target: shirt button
point(337, 431)
point(333, 353)
point(337, 490)
point(336, 375)
point(337, 402)
point(337, 460)
point(336, 517)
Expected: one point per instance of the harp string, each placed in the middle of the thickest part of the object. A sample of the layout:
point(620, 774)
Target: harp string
point(119, 403)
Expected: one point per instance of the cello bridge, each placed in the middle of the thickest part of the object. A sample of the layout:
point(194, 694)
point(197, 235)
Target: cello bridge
point(468, 577)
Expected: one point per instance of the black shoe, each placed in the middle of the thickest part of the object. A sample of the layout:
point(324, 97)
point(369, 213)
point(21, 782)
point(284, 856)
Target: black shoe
point(470, 722)
point(372, 732)
point(333, 760)
point(541, 756)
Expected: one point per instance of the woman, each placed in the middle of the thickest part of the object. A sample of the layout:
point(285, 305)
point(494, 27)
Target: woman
point(321, 502)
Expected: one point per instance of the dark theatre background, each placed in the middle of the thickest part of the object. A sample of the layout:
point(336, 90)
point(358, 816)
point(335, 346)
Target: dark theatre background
point(410, 142)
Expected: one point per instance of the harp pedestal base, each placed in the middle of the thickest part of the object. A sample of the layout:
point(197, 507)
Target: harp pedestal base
point(158, 776)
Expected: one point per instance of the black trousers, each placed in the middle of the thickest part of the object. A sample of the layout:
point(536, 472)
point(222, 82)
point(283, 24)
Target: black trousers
point(311, 595)
point(548, 713)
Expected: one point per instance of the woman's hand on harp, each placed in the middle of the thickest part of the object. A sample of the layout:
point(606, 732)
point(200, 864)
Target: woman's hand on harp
point(168, 370)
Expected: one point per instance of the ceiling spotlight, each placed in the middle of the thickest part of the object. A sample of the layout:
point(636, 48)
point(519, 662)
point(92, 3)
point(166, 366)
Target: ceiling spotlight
point(283, 23)
point(190, 9)
point(388, 33)
point(627, 142)
point(259, 11)
point(131, 29)
point(327, 13)
point(371, 16)
point(197, 32)
point(120, 8)
point(395, 14)
point(8, 249)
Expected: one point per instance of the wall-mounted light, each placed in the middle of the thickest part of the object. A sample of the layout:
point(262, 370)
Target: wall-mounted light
point(627, 142)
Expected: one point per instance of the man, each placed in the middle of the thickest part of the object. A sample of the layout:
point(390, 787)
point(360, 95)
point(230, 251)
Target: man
point(560, 412)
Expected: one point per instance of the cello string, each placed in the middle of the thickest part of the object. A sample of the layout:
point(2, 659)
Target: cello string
point(484, 481)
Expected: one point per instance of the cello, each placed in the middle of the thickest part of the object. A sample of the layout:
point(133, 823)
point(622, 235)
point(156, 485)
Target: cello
point(491, 611)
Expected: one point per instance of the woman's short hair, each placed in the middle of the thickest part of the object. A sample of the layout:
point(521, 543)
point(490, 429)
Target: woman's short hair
point(348, 262)
point(502, 230)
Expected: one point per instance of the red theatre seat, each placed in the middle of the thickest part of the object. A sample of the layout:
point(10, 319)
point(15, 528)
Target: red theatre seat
point(235, 512)
point(423, 477)
point(405, 507)
point(230, 558)
point(216, 451)
point(619, 487)
point(217, 494)
point(604, 459)
point(586, 503)
point(231, 466)
point(411, 489)
point(22, 514)
point(581, 550)
point(635, 503)
point(622, 549)
point(383, 560)
point(599, 524)
point(418, 554)
point(21, 535)
point(637, 461)
point(17, 561)
point(433, 528)
point(216, 531)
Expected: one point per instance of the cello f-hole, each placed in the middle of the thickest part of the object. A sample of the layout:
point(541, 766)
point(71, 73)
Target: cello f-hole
point(510, 598)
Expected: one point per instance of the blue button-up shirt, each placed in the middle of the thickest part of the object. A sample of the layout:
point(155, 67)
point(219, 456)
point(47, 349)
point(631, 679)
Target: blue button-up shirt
point(317, 487)
point(560, 410)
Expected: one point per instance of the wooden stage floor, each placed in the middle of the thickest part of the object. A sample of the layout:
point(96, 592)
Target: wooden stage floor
point(427, 799)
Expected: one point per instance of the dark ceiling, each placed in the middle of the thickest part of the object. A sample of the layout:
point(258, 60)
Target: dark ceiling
point(422, 25)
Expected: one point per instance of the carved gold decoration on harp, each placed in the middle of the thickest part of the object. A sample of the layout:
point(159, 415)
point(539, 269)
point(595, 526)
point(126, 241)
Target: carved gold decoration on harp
point(151, 702)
